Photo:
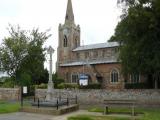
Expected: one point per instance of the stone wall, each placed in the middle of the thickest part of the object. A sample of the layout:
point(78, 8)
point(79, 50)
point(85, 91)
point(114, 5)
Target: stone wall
point(9, 94)
point(92, 97)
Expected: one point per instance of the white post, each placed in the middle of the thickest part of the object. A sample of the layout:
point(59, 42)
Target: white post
point(50, 51)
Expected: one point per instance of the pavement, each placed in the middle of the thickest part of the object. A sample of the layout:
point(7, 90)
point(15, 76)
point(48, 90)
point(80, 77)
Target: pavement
point(30, 116)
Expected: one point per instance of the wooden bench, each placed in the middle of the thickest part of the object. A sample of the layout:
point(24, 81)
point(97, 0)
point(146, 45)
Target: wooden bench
point(109, 103)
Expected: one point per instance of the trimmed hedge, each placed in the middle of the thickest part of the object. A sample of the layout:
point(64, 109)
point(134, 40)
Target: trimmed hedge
point(41, 86)
point(75, 85)
point(91, 86)
point(137, 86)
point(67, 85)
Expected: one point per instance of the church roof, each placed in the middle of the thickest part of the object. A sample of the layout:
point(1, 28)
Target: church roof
point(97, 46)
point(90, 62)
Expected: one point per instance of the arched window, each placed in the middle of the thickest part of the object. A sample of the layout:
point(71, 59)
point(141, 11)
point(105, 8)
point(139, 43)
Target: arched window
point(114, 76)
point(65, 41)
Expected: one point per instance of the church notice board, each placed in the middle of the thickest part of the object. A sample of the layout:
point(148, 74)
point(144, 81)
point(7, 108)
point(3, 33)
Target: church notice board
point(83, 79)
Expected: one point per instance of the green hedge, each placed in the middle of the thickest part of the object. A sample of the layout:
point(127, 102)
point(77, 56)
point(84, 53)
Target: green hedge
point(67, 85)
point(75, 85)
point(137, 86)
point(71, 86)
point(91, 86)
point(8, 83)
point(41, 86)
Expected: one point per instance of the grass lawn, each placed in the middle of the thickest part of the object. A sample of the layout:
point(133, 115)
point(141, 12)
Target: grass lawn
point(149, 114)
point(91, 117)
point(7, 107)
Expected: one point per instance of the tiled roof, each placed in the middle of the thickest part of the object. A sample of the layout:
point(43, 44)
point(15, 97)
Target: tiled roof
point(97, 46)
point(91, 62)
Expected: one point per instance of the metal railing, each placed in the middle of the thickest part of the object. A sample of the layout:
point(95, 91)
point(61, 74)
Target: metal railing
point(59, 101)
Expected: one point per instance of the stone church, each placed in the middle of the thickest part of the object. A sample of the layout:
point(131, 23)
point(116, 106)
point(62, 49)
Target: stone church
point(97, 61)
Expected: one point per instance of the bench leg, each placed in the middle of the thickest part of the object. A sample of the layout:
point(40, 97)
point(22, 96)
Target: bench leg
point(106, 110)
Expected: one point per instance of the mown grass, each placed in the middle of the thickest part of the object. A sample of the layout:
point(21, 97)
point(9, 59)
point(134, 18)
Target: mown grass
point(151, 114)
point(148, 113)
point(91, 117)
point(8, 107)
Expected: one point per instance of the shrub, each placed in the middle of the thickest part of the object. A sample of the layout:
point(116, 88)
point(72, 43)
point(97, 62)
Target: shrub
point(91, 86)
point(31, 90)
point(8, 83)
point(25, 79)
point(61, 86)
point(41, 86)
point(75, 85)
point(136, 86)
point(67, 85)
point(57, 80)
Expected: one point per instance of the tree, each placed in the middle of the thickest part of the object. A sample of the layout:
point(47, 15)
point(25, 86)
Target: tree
point(22, 53)
point(139, 36)
point(34, 62)
point(13, 51)
point(57, 80)
point(44, 77)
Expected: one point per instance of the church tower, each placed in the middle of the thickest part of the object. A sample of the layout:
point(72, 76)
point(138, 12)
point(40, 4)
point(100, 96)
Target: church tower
point(69, 37)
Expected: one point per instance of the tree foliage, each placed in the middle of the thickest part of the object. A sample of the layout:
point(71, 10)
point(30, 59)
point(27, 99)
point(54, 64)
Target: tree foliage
point(22, 53)
point(57, 80)
point(138, 32)
point(13, 50)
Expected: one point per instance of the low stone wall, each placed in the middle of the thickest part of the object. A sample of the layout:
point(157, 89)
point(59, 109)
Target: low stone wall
point(9, 93)
point(92, 97)
point(51, 111)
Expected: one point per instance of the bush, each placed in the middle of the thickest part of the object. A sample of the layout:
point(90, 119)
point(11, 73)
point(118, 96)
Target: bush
point(41, 86)
point(8, 83)
point(25, 79)
point(75, 85)
point(31, 90)
point(61, 86)
point(57, 80)
point(136, 86)
point(91, 86)
point(67, 85)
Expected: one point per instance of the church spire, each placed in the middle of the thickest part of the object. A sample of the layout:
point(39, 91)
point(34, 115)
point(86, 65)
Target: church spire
point(69, 13)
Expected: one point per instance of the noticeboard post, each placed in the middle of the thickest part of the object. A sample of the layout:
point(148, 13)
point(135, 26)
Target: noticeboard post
point(83, 79)
point(23, 91)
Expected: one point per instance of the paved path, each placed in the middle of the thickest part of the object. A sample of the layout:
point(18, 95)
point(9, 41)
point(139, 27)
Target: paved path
point(24, 116)
point(65, 116)
point(30, 116)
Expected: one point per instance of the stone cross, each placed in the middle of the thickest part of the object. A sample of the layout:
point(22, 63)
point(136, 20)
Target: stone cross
point(50, 51)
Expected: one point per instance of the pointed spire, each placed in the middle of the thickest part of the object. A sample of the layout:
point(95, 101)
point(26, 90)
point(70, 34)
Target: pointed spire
point(69, 13)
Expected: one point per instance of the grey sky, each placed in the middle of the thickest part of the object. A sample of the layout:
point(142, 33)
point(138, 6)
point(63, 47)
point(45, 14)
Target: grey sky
point(97, 18)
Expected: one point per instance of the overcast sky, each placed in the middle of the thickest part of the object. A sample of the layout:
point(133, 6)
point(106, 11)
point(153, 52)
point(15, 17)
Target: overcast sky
point(97, 18)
